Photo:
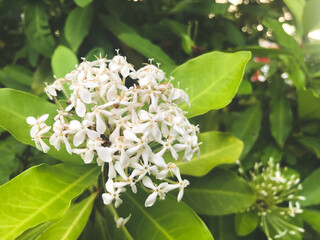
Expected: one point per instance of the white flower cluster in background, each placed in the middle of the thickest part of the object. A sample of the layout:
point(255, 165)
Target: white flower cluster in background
point(275, 188)
point(128, 128)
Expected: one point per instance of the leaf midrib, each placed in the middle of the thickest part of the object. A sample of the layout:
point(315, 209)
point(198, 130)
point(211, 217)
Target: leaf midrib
point(49, 203)
point(215, 191)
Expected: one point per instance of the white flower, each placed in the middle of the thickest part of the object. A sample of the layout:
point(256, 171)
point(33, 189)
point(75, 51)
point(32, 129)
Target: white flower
point(112, 195)
point(37, 138)
point(37, 124)
point(120, 222)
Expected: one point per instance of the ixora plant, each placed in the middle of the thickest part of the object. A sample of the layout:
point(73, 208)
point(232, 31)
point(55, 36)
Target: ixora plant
point(132, 124)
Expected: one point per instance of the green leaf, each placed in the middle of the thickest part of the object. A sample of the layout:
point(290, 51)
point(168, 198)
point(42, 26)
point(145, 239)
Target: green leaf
point(308, 105)
point(167, 219)
point(245, 88)
point(245, 223)
point(311, 143)
point(311, 189)
point(271, 151)
point(19, 74)
point(312, 217)
point(142, 45)
point(311, 17)
point(8, 162)
point(37, 29)
point(280, 118)
point(216, 148)
point(35, 232)
point(78, 25)
point(42, 193)
point(226, 231)
point(70, 226)
point(83, 3)
point(212, 80)
point(219, 193)
point(16, 106)
point(296, 74)
point(247, 127)
point(63, 61)
point(285, 39)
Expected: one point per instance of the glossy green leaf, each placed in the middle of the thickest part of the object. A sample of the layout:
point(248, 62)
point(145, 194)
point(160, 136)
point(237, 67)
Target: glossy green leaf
point(142, 45)
point(280, 119)
point(245, 223)
point(216, 148)
point(308, 105)
point(37, 29)
point(16, 106)
point(312, 217)
point(78, 25)
point(42, 193)
point(312, 143)
point(83, 3)
point(220, 192)
point(70, 226)
point(63, 61)
point(311, 189)
point(165, 220)
point(311, 16)
point(247, 127)
point(212, 80)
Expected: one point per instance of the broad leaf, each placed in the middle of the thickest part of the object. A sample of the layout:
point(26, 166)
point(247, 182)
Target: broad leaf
point(308, 105)
point(311, 16)
point(16, 106)
point(63, 61)
point(212, 80)
point(247, 127)
point(78, 25)
point(216, 148)
point(42, 193)
point(165, 220)
point(37, 29)
point(70, 226)
point(280, 119)
point(142, 45)
point(219, 193)
point(198, 7)
point(245, 223)
point(312, 217)
point(311, 189)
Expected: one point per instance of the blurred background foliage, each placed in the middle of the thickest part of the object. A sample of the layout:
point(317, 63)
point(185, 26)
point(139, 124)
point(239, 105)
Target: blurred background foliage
point(276, 111)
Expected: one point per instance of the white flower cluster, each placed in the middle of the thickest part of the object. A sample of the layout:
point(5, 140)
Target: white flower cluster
point(275, 187)
point(130, 128)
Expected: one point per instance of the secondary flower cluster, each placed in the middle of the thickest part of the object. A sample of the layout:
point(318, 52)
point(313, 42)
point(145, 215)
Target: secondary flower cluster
point(129, 128)
point(275, 188)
